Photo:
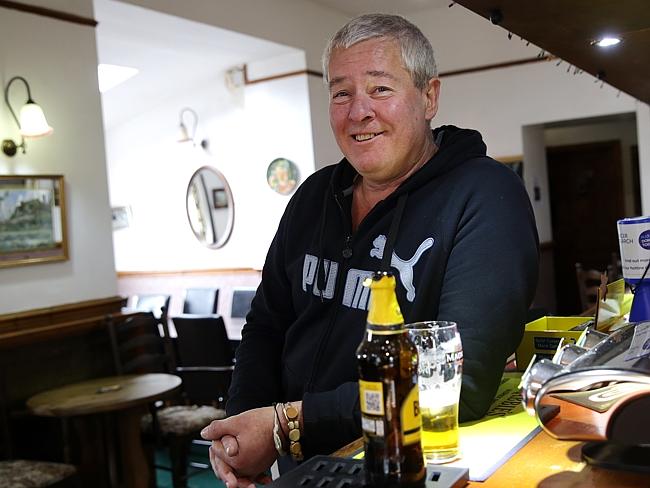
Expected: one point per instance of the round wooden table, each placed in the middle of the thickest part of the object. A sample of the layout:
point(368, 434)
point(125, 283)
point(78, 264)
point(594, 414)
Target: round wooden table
point(122, 400)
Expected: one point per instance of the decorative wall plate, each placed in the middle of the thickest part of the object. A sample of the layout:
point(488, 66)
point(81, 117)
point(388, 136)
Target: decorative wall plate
point(283, 176)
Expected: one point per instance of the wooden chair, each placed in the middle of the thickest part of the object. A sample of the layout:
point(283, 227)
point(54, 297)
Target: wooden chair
point(588, 283)
point(21, 473)
point(138, 347)
point(201, 301)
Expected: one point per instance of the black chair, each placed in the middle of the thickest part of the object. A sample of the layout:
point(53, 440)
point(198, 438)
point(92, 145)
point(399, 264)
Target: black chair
point(138, 347)
point(205, 360)
point(241, 301)
point(20, 473)
point(201, 301)
point(239, 308)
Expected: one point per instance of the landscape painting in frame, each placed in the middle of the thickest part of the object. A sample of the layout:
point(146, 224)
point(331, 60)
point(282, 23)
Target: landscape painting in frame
point(32, 219)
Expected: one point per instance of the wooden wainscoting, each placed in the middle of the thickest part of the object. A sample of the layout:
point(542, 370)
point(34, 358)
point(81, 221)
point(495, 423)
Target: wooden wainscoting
point(43, 324)
point(48, 347)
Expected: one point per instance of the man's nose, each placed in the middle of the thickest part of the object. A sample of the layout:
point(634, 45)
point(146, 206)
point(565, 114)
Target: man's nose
point(361, 109)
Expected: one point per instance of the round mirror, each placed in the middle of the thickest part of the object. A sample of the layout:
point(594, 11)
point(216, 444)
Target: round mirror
point(210, 207)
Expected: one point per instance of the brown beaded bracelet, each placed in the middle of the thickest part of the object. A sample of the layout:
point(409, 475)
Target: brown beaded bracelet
point(291, 414)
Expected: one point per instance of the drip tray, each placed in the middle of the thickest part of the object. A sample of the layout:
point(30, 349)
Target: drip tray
point(333, 472)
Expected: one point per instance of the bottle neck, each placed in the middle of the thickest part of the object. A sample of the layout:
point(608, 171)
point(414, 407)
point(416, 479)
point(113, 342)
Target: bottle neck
point(394, 329)
point(384, 311)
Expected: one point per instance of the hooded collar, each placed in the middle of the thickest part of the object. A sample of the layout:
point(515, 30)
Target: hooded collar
point(455, 146)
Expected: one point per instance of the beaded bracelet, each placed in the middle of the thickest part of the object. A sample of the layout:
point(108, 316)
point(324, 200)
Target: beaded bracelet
point(291, 414)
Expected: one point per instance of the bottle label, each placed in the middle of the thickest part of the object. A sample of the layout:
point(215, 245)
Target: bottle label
point(371, 397)
point(410, 416)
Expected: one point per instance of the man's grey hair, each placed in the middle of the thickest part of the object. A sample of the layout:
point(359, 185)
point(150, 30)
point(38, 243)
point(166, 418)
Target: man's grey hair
point(415, 48)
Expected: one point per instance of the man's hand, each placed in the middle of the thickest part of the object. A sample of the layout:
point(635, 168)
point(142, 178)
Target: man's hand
point(242, 448)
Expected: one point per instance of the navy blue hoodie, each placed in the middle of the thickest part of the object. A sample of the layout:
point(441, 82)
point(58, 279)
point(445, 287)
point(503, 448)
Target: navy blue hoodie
point(463, 247)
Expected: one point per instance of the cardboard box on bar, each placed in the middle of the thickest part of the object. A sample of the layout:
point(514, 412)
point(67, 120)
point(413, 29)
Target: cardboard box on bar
point(543, 335)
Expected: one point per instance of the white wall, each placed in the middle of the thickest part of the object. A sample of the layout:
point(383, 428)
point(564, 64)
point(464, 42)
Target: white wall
point(500, 103)
point(326, 151)
point(296, 23)
point(643, 132)
point(59, 60)
point(246, 129)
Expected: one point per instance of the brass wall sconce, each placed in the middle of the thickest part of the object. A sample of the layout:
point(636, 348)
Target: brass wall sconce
point(32, 121)
point(188, 136)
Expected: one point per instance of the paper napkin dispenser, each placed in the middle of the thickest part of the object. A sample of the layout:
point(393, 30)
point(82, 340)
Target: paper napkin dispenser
point(597, 390)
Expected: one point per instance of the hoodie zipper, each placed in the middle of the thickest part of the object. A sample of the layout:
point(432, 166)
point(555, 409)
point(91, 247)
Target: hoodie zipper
point(347, 254)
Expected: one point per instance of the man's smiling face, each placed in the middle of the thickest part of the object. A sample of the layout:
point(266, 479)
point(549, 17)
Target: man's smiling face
point(379, 118)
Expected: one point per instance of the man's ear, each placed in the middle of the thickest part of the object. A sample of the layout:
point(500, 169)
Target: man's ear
point(432, 90)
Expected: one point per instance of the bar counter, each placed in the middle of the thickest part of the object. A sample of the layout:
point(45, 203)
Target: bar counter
point(545, 462)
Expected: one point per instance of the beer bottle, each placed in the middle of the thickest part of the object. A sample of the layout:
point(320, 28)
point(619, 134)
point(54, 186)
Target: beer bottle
point(388, 392)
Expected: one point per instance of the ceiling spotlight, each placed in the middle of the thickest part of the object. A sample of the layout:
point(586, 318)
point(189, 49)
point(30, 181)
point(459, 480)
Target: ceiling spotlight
point(606, 41)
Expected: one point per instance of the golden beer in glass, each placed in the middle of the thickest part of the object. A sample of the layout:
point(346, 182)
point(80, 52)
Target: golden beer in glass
point(440, 361)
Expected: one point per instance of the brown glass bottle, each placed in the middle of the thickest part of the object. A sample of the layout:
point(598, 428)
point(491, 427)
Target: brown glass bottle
point(388, 393)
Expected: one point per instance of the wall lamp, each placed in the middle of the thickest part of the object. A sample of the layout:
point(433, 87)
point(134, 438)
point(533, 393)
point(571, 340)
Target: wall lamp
point(188, 136)
point(32, 121)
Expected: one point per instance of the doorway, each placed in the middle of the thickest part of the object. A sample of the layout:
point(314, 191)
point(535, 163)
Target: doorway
point(587, 198)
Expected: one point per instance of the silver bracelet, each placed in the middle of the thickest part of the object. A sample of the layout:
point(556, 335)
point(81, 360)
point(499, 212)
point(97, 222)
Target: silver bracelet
point(277, 440)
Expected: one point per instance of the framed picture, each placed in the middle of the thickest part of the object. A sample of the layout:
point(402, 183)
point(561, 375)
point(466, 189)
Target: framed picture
point(219, 198)
point(515, 163)
point(32, 220)
point(282, 176)
point(121, 217)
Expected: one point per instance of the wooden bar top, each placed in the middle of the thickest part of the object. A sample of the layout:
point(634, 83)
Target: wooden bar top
point(545, 462)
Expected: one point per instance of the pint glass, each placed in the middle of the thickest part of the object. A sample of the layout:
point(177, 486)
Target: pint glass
point(440, 362)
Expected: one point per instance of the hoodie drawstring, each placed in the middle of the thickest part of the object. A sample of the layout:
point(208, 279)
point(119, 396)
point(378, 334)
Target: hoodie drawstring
point(392, 233)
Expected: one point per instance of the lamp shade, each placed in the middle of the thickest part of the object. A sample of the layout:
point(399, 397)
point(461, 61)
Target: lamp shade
point(183, 135)
point(32, 121)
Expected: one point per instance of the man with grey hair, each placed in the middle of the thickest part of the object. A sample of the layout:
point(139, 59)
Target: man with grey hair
point(454, 226)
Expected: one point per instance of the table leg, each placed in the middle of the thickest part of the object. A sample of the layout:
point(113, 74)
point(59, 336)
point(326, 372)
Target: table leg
point(110, 446)
point(91, 447)
point(135, 468)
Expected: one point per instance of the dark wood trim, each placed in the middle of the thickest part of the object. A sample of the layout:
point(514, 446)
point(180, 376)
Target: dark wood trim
point(309, 72)
point(40, 334)
point(33, 335)
point(193, 272)
point(43, 318)
point(47, 12)
point(507, 64)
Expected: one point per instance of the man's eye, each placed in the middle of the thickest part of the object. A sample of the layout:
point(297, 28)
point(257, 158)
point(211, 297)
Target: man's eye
point(340, 94)
point(381, 89)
